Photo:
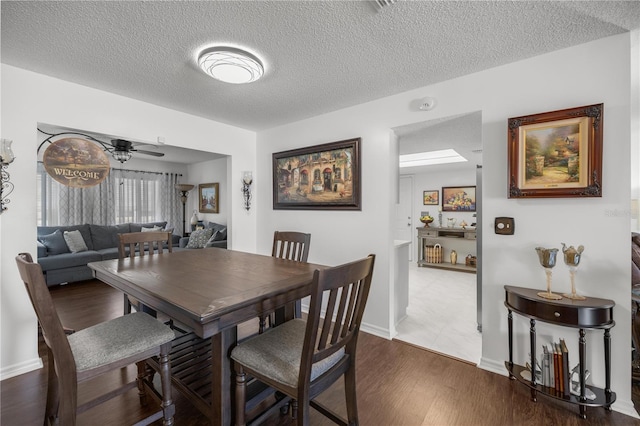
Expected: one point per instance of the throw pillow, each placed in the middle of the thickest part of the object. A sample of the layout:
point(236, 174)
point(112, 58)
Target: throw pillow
point(199, 238)
point(54, 243)
point(75, 241)
point(155, 228)
point(221, 234)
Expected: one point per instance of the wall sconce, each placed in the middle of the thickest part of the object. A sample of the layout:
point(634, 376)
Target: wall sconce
point(184, 189)
point(6, 158)
point(247, 180)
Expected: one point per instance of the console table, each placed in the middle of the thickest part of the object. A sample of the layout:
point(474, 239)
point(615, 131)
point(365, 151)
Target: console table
point(434, 235)
point(586, 314)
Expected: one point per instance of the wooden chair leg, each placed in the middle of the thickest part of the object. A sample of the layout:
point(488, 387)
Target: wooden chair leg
point(67, 400)
point(241, 388)
point(301, 411)
point(51, 410)
point(142, 374)
point(350, 395)
point(127, 305)
point(168, 407)
point(262, 324)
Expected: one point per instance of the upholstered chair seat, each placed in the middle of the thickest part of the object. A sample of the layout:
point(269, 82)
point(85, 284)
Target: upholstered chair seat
point(277, 352)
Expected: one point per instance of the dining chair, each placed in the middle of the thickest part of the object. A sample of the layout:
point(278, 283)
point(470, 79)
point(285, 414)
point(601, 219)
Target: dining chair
point(88, 353)
point(288, 245)
point(153, 241)
point(301, 358)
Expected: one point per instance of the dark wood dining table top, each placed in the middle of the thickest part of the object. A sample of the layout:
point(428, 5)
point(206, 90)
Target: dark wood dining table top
point(209, 289)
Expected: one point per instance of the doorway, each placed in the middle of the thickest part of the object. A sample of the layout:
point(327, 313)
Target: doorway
point(444, 306)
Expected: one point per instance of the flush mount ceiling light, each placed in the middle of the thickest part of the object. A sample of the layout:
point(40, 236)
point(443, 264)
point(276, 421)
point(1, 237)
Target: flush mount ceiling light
point(430, 158)
point(230, 64)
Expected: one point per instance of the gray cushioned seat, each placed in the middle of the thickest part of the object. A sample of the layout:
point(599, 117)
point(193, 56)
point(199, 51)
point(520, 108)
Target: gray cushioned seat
point(276, 353)
point(67, 260)
point(111, 341)
point(109, 253)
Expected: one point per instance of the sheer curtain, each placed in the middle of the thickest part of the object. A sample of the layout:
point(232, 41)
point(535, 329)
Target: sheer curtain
point(124, 196)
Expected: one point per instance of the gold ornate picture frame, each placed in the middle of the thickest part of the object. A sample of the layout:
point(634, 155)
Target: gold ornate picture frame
point(556, 154)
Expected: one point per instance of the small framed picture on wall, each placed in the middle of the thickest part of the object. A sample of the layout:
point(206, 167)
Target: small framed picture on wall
point(431, 198)
point(209, 197)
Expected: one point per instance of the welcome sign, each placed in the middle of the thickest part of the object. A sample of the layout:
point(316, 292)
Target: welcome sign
point(76, 162)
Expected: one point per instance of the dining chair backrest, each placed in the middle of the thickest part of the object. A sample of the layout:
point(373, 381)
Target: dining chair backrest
point(291, 245)
point(52, 330)
point(83, 356)
point(152, 240)
point(338, 298)
point(302, 359)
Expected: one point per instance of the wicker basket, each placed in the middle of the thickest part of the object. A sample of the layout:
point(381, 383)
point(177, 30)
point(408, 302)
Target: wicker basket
point(433, 254)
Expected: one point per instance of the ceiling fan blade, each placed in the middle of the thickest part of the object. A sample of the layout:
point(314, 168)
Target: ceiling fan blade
point(155, 154)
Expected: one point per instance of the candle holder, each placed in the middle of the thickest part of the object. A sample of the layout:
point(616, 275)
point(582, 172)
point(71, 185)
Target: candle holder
point(572, 260)
point(547, 259)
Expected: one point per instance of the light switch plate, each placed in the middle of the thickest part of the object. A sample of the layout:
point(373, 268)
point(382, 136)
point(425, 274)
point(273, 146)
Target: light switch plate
point(505, 225)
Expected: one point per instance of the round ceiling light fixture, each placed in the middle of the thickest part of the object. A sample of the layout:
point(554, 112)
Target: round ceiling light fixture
point(230, 64)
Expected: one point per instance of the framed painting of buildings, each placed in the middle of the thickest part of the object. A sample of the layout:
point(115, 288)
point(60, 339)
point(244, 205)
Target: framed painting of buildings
point(325, 177)
point(208, 198)
point(556, 154)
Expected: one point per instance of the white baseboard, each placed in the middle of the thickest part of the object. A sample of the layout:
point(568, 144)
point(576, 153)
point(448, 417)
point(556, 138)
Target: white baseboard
point(21, 368)
point(493, 366)
point(375, 330)
point(367, 328)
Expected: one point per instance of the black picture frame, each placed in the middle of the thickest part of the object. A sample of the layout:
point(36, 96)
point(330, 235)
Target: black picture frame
point(319, 177)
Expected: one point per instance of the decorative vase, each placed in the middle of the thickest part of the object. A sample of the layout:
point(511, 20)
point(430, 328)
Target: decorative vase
point(454, 257)
point(547, 258)
point(194, 218)
point(426, 222)
point(572, 260)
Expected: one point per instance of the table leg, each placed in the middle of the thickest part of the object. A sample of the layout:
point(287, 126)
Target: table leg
point(221, 376)
point(510, 325)
point(532, 337)
point(607, 363)
point(582, 351)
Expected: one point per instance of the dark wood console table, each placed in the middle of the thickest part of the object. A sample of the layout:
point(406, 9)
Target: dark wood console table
point(586, 314)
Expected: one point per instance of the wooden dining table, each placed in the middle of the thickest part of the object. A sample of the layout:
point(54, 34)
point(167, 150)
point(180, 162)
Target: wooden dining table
point(210, 292)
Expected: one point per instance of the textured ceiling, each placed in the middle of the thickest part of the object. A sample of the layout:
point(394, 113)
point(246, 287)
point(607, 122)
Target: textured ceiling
point(320, 55)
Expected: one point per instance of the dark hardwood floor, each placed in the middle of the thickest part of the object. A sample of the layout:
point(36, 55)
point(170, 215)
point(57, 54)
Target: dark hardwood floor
point(398, 384)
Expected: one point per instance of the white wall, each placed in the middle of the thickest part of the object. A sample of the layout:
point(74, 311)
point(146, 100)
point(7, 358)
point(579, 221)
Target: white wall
point(214, 171)
point(28, 99)
point(599, 72)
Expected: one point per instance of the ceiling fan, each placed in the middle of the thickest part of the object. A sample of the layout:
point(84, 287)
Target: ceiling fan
point(122, 150)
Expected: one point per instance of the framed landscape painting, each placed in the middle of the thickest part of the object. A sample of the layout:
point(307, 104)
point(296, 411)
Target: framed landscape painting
point(325, 177)
point(556, 154)
point(458, 198)
point(431, 198)
point(209, 198)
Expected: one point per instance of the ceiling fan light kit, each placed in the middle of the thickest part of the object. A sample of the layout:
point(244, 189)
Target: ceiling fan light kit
point(230, 64)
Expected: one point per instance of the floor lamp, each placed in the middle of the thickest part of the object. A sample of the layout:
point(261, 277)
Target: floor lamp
point(184, 189)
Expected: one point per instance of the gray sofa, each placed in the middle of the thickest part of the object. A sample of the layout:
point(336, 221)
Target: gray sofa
point(218, 236)
point(59, 265)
